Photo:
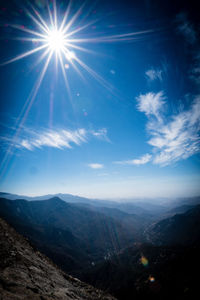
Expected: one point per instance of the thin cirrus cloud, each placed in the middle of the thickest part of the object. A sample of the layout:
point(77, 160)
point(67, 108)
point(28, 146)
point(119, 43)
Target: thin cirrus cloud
point(178, 138)
point(174, 139)
point(96, 166)
point(139, 161)
point(101, 134)
point(153, 74)
point(57, 138)
point(151, 104)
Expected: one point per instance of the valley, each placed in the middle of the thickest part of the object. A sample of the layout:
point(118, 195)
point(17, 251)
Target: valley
point(121, 248)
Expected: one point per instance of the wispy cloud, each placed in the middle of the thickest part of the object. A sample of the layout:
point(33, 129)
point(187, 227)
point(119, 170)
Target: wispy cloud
point(174, 139)
point(139, 161)
point(186, 28)
point(179, 138)
point(153, 74)
point(101, 134)
point(151, 104)
point(96, 166)
point(30, 139)
point(53, 138)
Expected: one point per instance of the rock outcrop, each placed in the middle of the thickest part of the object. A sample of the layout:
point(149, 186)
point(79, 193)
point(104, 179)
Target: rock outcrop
point(27, 274)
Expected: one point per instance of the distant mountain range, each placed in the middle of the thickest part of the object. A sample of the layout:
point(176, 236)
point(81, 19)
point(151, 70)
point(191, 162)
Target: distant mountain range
point(75, 236)
point(133, 250)
point(132, 206)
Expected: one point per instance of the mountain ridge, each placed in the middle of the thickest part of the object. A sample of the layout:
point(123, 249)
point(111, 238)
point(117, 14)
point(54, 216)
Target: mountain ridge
point(27, 274)
point(73, 236)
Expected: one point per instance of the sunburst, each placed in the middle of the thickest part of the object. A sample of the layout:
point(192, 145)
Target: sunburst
point(62, 41)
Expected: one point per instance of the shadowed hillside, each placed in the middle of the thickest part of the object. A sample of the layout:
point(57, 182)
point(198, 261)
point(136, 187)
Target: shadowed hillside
point(75, 237)
point(27, 274)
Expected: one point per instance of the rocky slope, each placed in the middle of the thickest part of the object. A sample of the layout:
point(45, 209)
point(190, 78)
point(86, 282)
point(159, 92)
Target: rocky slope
point(27, 274)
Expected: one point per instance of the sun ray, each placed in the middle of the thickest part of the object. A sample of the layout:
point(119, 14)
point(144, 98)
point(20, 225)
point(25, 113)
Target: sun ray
point(41, 26)
point(66, 54)
point(39, 81)
point(81, 48)
point(112, 38)
point(26, 39)
point(73, 19)
point(40, 58)
point(66, 15)
point(99, 78)
point(55, 14)
point(64, 73)
point(50, 16)
point(80, 28)
point(23, 55)
point(22, 117)
point(22, 28)
point(34, 91)
point(40, 17)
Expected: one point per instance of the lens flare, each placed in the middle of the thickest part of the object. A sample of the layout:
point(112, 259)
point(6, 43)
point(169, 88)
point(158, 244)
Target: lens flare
point(144, 261)
point(151, 279)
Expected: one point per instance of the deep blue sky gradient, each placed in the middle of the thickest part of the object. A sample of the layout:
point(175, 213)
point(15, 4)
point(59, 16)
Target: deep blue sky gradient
point(93, 107)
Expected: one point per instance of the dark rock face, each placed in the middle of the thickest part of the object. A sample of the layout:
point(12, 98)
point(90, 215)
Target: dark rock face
point(27, 274)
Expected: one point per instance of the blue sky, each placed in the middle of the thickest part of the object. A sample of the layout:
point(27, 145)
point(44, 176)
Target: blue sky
point(129, 128)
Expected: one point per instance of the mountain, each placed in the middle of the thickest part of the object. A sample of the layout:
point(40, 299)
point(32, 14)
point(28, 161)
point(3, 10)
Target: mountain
point(74, 237)
point(66, 197)
point(183, 229)
point(149, 272)
point(27, 274)
point(168, 268)
point(105, 246)
point(142, 208)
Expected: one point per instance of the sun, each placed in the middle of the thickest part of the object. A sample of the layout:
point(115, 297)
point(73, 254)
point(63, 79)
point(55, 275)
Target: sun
point(59, 38)
point(56, 40)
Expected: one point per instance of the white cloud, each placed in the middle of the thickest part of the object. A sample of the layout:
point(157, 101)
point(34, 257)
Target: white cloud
point(175, 139)
point(172, 140)
point(96, 166)
point(101, 134)
point(58, 138)
point(52, 138)
point(179, 138)
point(153, 74)
point(151, 104)
point(139, 161)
